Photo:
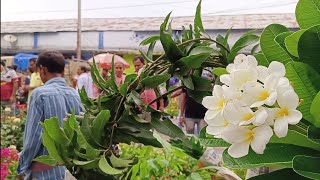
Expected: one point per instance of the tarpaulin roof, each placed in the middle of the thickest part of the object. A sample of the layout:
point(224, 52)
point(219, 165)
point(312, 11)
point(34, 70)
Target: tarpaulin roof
point(22, 60)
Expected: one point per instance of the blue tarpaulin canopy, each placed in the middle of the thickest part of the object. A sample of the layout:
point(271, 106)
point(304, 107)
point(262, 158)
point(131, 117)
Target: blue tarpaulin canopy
point(22, 60)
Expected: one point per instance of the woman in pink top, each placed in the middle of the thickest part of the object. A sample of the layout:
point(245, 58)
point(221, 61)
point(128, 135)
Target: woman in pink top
point(120, 76)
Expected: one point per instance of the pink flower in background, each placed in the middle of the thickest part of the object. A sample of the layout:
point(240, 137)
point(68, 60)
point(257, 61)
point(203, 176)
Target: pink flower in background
point(9, 162)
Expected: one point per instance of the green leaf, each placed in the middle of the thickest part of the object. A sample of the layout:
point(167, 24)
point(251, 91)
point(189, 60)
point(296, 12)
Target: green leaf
point(219, 71)
point(280, 39)
point(130, 78)
point(55, 132)
point(244, 41)
point(149, 40)
point(46, 159)
point(117, 162)
point(196, 57)
point(198, 95)
point(155, 81)
point(112, 80)
point(82, 163)
point(262, 60)
point(173, 52)
point(106, 168)
point(123, 89)
point(150, 51)
point(271, 49)
point(197, 19)
point(279, 155)
point(307, 166)
point(168, 128)
point(306, 82)
point(136, 98)
point(67, 129)
point(308, 47)
point(296, 138)
point(291, 42)
point(98, 124)
point(308, 13)
point(97, 77)
point(187, 81)
point(314, 109)
point(201, 84)
point(281, 174)
point(87, 132)
point(255, 48)
point(49, 143)
point(213, 142)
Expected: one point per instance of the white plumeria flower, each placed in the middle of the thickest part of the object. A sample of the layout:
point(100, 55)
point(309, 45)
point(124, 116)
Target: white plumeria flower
point(238, 114)
point(216, 126)
point(275, 68)
point(283, 85)
point(239, 78)
point(242, 137)
point(242, 61)
point(257, 94)
point(215, 103)
point(287, 113)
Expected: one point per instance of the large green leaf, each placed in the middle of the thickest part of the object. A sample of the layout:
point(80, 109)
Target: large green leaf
point(98, 124)
point(198, 95)
point(55, 132)
point(196, 57)
point(173, 52)
point(187, 81)
point(219, 71)
point(201, 84)
point(296, 138)
point(46, 159)
point(262, 60)
point(308, 13)
point(306, 82)
point(314, 109)
point(280, 38)
point(314, 134)
point(244, 41)
point(213, 142)
point(150, 51)
point(155, 81)
point(307, 166)
point(270, 48)
point(149, 40)
point(281, 174)
point(112, 80)
point(97, 77)
point(291, 42)
point(106, 168)
point(117, 162)
point(278, 155)
point(309, 45)
point(197, 19)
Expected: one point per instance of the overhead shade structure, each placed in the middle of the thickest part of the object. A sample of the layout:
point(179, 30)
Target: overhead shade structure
point(105, 60)
point(22, 60)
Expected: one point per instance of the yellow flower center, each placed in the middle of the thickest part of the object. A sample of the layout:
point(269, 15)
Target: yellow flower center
point(264, 95)
point(247, 117)
point(250, 136)
point(220, 104)
point(226, 123)
point(283, 112)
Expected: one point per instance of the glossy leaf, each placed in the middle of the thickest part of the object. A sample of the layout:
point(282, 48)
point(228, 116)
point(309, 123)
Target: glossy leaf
point(130, 78)
point(194, 60)
point(155, 81)
point(309, 45)
point(46, 159)
point(201, 84)
point(280, 39)
point(55, 132)
point(280, 155)
point(291, 42)
point(213, 142)
point(262, 60)
point(308, 13)
point(112, 80)
point(219, 71)
point(123, 89)
point(106, 168)
point(187, 81)
point(198, 95)
point(281, 174)
point(271, 49)
point(314, 134)
point(150, 50)
point(82, 163)
point(306, 82)
point(149, 40)
point(307, 166)
point(99, 123)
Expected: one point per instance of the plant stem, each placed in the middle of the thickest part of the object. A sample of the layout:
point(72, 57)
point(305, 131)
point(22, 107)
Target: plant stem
point(204, 39)
point(112, 131)
point(165, 94)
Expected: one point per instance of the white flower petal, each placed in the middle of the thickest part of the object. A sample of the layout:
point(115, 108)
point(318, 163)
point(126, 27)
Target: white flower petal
point(271, 99)
point(260, 117)
point(294, 116)
point(217, 91)
point(243, 76)
point(262, 133)
point(239, 59)
point(281, 127)
point(239, 150)
point(288, 99)
point(262, 73)
point(230, 68)
point(211, 114)
point(231, 114)
point(234, 134)
point(252, 62)
point(209, 102)
point(271, 115)
point(276, 68)
point(226, 79)
point(215, 130)
point(271, 82)
point(217, 121)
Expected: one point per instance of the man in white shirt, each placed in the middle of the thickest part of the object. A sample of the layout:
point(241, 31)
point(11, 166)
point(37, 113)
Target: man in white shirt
point(85, 81)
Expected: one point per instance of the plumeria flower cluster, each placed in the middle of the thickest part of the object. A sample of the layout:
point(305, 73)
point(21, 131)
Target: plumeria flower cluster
point(254, 102)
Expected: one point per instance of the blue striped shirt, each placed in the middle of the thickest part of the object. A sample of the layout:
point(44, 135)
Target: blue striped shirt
point(55, 98)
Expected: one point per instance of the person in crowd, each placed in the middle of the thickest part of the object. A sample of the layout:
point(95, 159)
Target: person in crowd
point(9, 86)
point(104, 73)
point(35, 80)
point(75, 78)
point(85, 81)
point(54, 99)
point(147, 95)
point(119, 72)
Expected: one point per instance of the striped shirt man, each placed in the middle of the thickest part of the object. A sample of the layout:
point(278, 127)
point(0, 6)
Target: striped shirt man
point(55, 98)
